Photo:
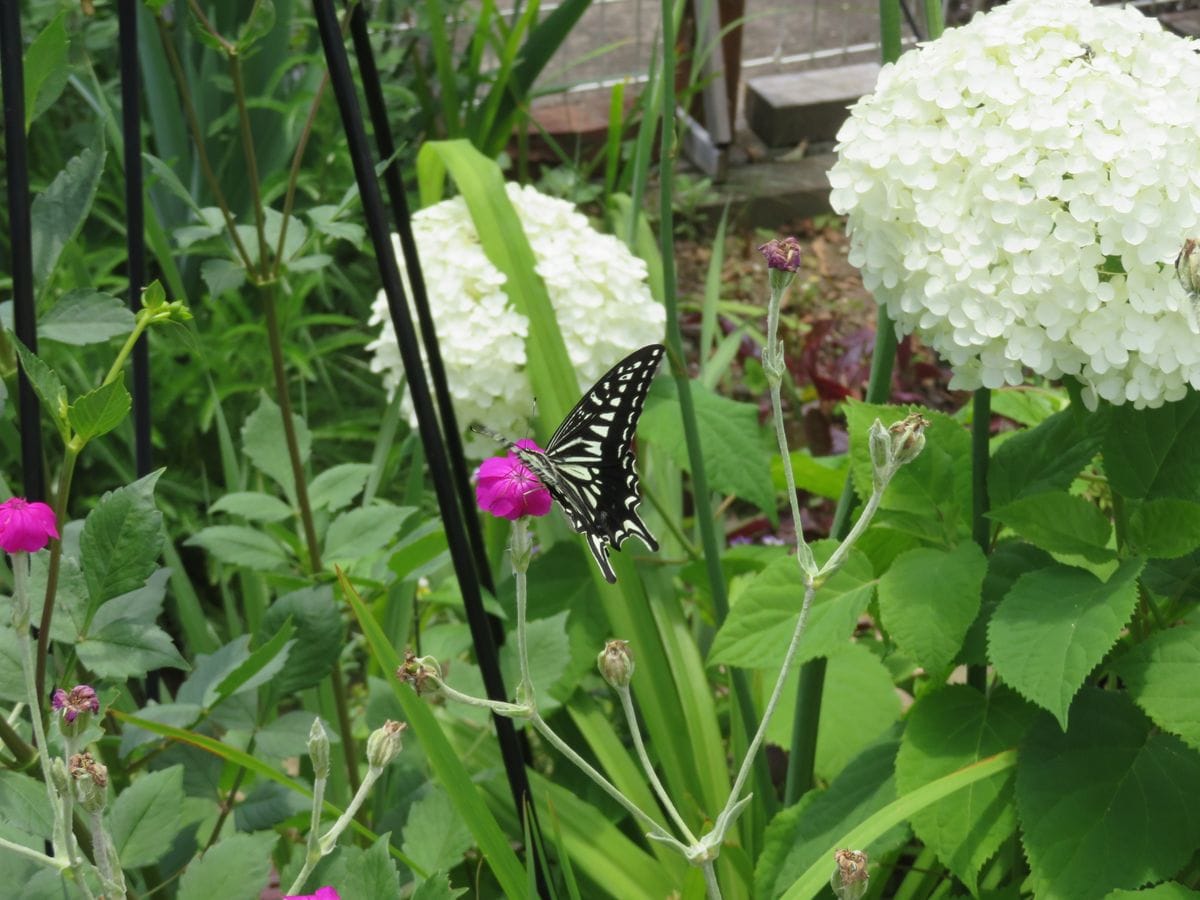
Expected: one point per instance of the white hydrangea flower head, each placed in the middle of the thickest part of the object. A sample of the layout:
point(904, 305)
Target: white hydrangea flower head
point(1019, 189)
point(597, 287)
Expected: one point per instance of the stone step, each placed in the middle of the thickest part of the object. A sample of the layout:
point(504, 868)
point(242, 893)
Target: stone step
point(786, 110)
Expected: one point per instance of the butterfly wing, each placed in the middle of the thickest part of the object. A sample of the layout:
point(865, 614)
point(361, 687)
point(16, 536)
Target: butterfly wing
point(588, 465)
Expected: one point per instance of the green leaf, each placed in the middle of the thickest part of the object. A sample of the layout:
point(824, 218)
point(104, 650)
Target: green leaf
point(436, 888)
point(253, 505)
point(121, 540)
point(948, 729)
point(257, 25)
point(1164, 528)
point(222, 276)
point(58, 212)
point(1152, 452)
point(1055, 626)
point(928, 599)
point(325, 220)
point(1026, 405)
point(47, 385)
point(46, 69)
point(238, 545)
point(1059, 523)
point(100, 411)
point(85, 317)
point(435, 837)
point(287, 735)
point(1109, 804)
point(266, 805)
point(930, 496)
point(823, 476)
point(12, 676)
point(735, 456)
point(366, 874)
point(146, 817)
point(261, 666)
point(237, 868)
point(803, 834)
point(1045, 458)
point(25, 806)
point(360, 532)
point(760, 623)
point(1169, 890)
point(264, 443)
point(549, 655)
point(1162, 675)
point(334, 488)
point(127, 649)
point(319, 630)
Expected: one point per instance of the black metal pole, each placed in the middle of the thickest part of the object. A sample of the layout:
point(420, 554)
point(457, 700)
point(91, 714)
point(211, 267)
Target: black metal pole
point(135, 219)
point(17, 169)
point(431, 438)
point(373, 91)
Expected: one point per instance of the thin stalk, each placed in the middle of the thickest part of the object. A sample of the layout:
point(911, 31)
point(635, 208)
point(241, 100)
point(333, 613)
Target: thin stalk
point(338, 681)
point(239, 92)
point(981, 420)
point(102, 844)
point(70, 456)
point(289, 196)
point(710, 881)
point(663, 796)
point(193, 123)
point(33, 855)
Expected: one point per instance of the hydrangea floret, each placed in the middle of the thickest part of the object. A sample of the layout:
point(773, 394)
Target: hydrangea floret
point(1019, 189)
point(597, 287)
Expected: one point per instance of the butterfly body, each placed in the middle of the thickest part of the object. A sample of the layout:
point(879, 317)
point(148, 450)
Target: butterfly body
point(588, 464)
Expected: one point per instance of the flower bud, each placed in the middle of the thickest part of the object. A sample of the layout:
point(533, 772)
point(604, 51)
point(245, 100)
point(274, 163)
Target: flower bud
point(422, 672)
point(782, 254)
point(851, 878)
point(1187, 268)
point(879, 441)
point(91, 781)
point(384, 744)
point(908, 438)
point(318, 749)
point(76, 706)
point(616, 663)
point(59, 776)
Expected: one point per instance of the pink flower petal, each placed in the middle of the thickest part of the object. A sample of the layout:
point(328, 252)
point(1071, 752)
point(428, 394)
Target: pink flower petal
point(507, 489)
point(25, 527)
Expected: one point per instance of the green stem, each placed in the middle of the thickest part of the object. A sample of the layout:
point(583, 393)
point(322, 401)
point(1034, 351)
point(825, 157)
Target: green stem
point(664, 798)
point(33, 855)
point(805, 724)
point(289, 196)
point(23, 754)
point(522, 550)
point(981, 420)
point(710, 881)
point(338, 681)
point(70, 455)
point(239, 93)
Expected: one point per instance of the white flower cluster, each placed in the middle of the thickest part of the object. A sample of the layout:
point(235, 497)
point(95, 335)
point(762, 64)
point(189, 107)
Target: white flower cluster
point(597, 287)
point(1019, 189)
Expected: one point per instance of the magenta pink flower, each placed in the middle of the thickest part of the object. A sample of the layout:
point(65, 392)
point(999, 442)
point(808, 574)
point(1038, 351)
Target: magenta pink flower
point(506, 488)
point(80, 699)
point(323, 893)
point(782, 253)
point(25, 527)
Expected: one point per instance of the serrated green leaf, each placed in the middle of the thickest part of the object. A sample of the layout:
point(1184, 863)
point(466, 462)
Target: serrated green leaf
point(121, 540)
point(822, 476)
point(435, 837)
point(167, 177)
point(100, 411)
point(437, 888)
point(360, 532)
point(1109, 804)
point(334, 488)
point(366, 874)
point(126, 649)
point(1162, 675)
point(146, 816)
point(257, 25)
point(1008, 561)
point(760, 623)
point(47, 385)
point(1164, 528)
point(948, 729)
point(1045, 458)
point(266, 805)
point(928, 599)
point(238, 545)
point(85, 317)
point(142, 604)
point(1170, 890)
point(253, 505)
point(929, 497)
point(12, 676)
point(800, 835)
point(45, 69)
point(1059, 523)
point(735, 459)
point(263, 441)
point(1027, 406)
point(1055, 626)
point(236, 868)
point(324, 220)
point(58, 212)
point(319, 630)
point(25, 805)
point(1152, 452)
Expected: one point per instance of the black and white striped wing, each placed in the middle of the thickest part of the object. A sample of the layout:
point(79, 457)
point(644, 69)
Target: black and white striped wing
point(588, 465)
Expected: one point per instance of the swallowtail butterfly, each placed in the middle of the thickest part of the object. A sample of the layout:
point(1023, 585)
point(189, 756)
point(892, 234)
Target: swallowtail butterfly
point(588, 464)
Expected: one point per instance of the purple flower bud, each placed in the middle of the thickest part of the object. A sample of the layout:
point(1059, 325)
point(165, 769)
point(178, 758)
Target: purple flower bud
point(782, 253)
point(81, 699)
